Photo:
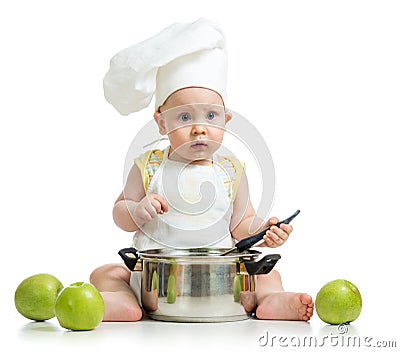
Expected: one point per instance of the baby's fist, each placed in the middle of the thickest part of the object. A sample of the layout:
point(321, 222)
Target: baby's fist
point(148, 208)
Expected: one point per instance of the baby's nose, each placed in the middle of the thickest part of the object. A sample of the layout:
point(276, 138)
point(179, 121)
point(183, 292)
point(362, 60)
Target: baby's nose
point(198, 129)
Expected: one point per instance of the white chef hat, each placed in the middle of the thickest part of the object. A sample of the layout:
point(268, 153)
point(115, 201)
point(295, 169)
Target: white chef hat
point(182, 55)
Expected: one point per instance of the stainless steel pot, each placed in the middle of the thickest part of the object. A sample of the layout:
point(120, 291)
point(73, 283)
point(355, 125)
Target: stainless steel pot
point(196, 285)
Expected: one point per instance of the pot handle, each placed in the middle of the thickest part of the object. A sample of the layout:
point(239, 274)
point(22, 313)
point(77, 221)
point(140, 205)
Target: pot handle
point(262, 266)
point(129, 260)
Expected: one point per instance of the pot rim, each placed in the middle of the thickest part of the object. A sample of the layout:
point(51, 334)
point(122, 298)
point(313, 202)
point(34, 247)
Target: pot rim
point(197, 254)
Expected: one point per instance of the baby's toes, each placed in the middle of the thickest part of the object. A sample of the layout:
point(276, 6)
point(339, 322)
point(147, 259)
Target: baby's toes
point(308, 305)
point(306, 300)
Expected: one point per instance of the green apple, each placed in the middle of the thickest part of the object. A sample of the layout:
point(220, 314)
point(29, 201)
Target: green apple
point(35, 296)
point(79, 306)
point(338, 302)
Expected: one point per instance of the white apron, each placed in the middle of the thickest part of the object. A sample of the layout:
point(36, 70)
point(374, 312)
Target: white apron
point(199, 209)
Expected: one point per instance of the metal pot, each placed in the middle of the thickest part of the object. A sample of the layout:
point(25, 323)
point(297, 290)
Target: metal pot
point(196, 285)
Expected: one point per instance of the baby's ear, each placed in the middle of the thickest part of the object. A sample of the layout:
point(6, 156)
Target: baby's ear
point(228, 117)
point(160, 123)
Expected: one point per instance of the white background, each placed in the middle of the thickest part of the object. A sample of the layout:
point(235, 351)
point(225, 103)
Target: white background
point(318, 79)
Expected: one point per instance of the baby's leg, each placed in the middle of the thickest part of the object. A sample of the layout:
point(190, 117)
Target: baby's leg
point(113, 282)
point(275, 304)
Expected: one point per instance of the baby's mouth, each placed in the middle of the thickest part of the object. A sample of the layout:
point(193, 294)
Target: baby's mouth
point(199, 145)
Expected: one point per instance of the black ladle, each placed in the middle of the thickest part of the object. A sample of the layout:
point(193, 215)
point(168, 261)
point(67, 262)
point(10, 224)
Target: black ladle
point(249, 242)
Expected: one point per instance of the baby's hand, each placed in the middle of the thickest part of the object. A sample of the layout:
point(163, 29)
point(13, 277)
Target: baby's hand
point(148, 208)
point(277, 236)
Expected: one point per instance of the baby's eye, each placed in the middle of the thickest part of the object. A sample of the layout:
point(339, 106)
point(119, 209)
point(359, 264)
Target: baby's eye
point(210, 115)
point(184, 117)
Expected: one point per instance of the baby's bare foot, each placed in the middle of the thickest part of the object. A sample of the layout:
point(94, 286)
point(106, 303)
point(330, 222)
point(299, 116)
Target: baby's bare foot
point(286, 306)
point(248, 300)
point(120, 306)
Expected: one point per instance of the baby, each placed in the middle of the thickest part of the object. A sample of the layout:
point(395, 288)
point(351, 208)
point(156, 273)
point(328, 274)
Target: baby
point(190, 109)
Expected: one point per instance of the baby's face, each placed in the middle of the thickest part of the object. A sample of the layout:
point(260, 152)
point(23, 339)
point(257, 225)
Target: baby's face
point(194, 119)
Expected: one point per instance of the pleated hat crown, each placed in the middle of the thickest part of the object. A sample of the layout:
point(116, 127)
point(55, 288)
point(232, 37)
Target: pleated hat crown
point(180, 56)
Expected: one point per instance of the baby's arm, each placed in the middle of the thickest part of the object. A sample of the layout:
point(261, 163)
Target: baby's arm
point(245, 222)
point(134, 208)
